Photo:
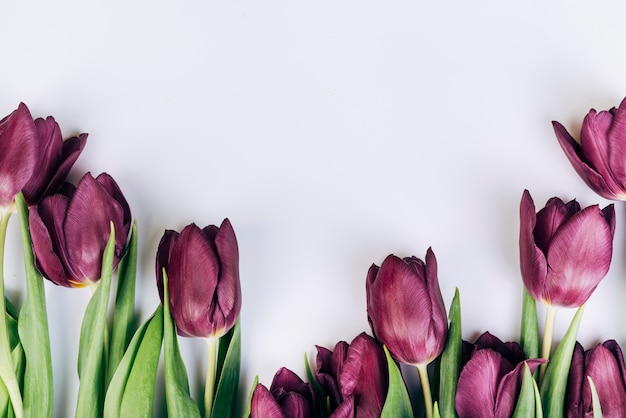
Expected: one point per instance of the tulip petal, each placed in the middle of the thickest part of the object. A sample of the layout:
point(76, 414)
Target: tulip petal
point(573, 395)
point(326, 375)
point(264, 405)
point(193, 272)
point(345, 409)
point(532, 260)
point(604, 369)
point(438, 317)
point(579, 257)
point(511, 351)
point(164, 252)
point(593, 142)
point(121, 223)
point(616, 140)
point(550, 218)
point(19, 148)
point(478, 384)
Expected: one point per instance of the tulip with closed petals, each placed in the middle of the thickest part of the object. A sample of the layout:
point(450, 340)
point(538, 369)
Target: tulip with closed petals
point(604, 364)
point(287, 397)
point(599, 156)
point(354, 377)
point(406, 312)
point(70, 230)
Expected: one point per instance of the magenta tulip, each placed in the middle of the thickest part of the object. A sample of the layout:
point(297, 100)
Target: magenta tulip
point(354, 377)
point(564, 251)
point(287, 397)
point(202, 266)
point(33, 156)
point(70, 230)
point(604, 364)
point(405, 308)
point(600, 155)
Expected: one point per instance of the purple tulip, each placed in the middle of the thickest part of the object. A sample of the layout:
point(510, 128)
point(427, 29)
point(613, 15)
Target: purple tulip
point(564, 251)
point(203, 278)
point(70, 230)
point(491, 377)
point(287, 397)
point(33, 156)
point(600, 155)
point(405, 308)
point(604, 364)
point(354, 377)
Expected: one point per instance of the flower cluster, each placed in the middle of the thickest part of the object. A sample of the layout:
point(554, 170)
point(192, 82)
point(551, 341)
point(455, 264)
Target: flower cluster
point(83, 235)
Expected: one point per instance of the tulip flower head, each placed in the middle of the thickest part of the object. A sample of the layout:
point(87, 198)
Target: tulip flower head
point(405, 308)
point(604, 364)
point(33, 156)
point(600, 155)
point(564, 251)
point(70, 230)
point(202, 267)
point(354, 377)
point(287, 397)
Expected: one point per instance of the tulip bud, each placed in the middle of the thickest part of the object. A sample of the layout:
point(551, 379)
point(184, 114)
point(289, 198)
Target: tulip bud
point(599, 155)
point(203, 278)
point(405, 308)
point(564, 251)
point(287, 397)
point(70, 230)
point(33, 156)
point(604, 364)
point(354, 377)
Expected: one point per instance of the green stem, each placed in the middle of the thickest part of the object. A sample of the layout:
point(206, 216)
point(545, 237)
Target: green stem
point(548, 333)
point(428, 397)
point(7, 371)
point(209, 390)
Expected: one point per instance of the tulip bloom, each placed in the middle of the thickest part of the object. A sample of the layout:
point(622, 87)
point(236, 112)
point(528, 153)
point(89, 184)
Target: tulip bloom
point(70, 230)
point(604, 364)
point(33, 156)
point(287, 397)
point(354, 377)
point(203, 278)
point(599, 155)
point(564, 251)
point(490, 381)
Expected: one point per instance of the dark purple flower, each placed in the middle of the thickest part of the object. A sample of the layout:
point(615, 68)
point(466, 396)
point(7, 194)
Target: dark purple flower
point(564, 251)
point(70, 230)
point(491, 378)
point(287, 397)
point(405, 308)
point(600, 155)
point(604, 364)
point(33, 156)
point(202, 267)
point(354, 377)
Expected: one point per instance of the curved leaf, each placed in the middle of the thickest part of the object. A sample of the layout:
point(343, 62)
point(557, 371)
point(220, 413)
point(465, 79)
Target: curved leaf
point(397, 403)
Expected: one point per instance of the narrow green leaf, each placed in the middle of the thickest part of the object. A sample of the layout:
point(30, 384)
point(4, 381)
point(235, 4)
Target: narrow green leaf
point(436, 413)
point(179, 402)
point(246, 412)
point(526, 401)
point(324, 399)
point(554, 382)
point(450, 365)
point(529, 338)
point(538, 405)
point(33, 330)
point(228, 382)
point(124, 312)
point(397, 403)
point(595, 399)
point(91, 351)
point(131, 391)
point(17, 355)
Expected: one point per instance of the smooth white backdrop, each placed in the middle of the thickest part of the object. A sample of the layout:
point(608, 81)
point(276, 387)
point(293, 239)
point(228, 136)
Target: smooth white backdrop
point(331, 133)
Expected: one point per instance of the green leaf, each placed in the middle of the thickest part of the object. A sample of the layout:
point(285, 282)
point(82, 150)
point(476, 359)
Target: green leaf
point(436, 413)
point(324, 399)
point(33, 331)
point(179, 402)
point(554, 382)
point(91, 352)
point(597, 409)
point(124, 312)
point(397, 403)
point(450, 365)
point(228, 382)
point(525, 406)
point(131, 391)
point(529, 338)
point(246, 412)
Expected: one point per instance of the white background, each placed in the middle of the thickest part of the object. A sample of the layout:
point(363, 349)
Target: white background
point(331, 133)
